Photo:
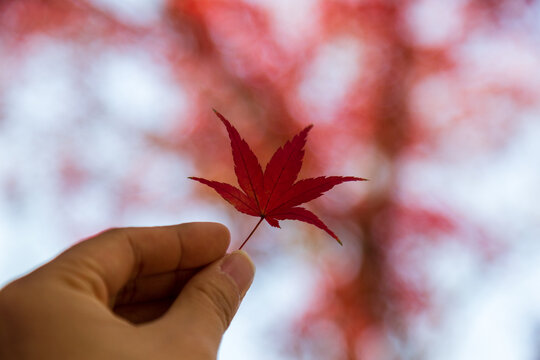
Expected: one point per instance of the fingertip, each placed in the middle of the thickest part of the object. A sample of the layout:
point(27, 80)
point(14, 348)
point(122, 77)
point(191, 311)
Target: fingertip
point(240, 268)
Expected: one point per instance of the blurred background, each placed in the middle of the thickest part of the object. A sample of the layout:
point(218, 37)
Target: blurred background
point(105, 110)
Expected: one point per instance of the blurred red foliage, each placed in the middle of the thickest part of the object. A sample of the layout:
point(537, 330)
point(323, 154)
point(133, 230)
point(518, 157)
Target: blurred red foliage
point(237, 57)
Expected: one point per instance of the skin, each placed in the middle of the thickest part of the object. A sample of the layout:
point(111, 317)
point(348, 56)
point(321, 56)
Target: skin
point(131, 293)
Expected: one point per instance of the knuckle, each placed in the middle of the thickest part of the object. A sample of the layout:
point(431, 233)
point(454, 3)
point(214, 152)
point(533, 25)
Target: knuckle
point(223, 299)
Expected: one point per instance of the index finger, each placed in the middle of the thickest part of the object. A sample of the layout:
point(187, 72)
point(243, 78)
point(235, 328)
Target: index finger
point(115, 256)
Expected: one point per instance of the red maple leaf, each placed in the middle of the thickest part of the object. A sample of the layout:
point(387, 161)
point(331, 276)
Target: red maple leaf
point(273, 194)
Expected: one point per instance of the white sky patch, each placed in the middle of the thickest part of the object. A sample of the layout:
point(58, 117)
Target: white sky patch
point(41, 89)
point(499, 190)
point(138, 12)
point(292, 21)
point(491, 59)
point(336, 66)
point(454, 109)
point(498, 314)
point(137, 90)
point(489, 312)
point(435, 22)
point(532, 15)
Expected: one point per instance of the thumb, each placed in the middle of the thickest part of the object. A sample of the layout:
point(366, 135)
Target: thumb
point(208, 302)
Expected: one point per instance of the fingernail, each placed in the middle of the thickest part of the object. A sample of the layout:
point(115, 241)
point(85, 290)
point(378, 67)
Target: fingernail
point(240, 268)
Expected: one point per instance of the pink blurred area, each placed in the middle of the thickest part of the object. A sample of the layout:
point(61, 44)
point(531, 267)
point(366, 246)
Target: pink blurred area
point(106, 109)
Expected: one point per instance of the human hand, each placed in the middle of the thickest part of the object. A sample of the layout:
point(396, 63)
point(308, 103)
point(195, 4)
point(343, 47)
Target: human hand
point(132, 293)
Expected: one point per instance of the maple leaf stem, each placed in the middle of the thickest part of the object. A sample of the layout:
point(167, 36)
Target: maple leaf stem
point(251, 233)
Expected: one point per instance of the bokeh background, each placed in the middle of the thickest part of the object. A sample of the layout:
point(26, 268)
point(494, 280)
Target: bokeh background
point(105, 110)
